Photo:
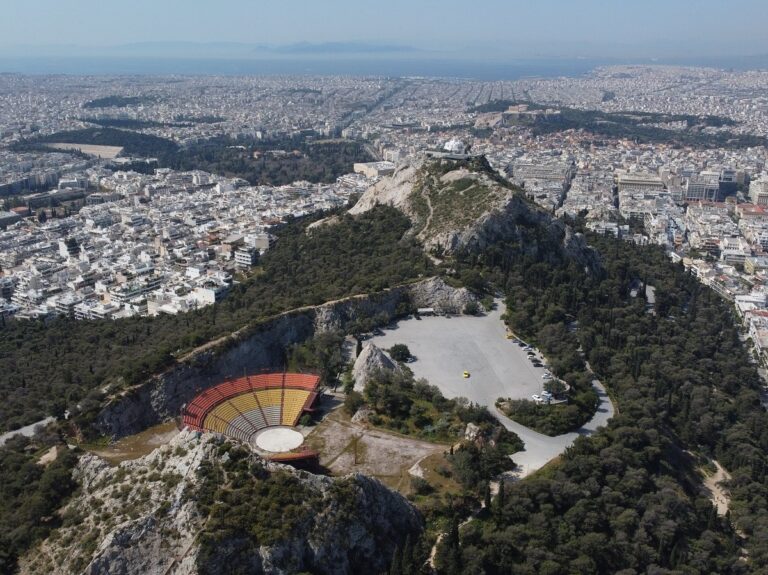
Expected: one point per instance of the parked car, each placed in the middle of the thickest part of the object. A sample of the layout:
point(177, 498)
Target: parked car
point(536, 397)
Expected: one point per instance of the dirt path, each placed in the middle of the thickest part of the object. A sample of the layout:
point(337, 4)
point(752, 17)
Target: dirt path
point(425, 195)
point(720, 498)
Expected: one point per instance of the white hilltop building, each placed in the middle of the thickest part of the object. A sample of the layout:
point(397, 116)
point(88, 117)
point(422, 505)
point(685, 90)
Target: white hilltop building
point(455, 146)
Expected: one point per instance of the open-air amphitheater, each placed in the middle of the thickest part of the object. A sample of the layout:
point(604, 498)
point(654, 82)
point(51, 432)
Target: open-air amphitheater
point(258, 409)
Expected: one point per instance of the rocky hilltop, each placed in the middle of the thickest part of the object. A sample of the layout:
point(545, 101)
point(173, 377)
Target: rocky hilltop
point(370, 361)
point(465, 206)
point(156, 515)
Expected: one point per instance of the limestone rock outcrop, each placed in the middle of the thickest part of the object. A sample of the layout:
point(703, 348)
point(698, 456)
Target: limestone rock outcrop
point(466, 206)
point(370, 361)
point(144, 517)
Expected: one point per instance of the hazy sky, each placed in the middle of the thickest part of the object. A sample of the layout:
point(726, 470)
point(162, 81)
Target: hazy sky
point(483, 27)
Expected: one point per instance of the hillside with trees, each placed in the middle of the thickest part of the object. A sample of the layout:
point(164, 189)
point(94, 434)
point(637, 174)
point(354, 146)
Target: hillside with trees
point(46, 368)
point(31, 491)
point(629, 499)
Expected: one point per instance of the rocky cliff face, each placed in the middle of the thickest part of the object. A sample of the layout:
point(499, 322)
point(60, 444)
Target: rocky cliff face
point(457, 206)
point(144, 517)
point(370, 361)
point(437, 294)
point(260, 347)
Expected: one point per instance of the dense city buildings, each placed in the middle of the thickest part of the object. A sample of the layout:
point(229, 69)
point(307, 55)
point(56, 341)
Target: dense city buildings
point(92, 228)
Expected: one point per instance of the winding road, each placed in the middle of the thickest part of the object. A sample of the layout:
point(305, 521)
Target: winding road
point(540, 449)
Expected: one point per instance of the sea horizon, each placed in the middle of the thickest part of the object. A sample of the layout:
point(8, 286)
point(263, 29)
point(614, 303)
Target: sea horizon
point(476, 69)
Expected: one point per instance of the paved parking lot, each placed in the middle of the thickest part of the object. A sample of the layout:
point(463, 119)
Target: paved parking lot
point(446, 346)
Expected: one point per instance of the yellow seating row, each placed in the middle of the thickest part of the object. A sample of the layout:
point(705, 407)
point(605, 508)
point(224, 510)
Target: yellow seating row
point(293, 402)
point(277, 406)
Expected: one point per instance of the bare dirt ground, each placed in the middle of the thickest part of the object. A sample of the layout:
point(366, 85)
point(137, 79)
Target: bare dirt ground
point(347, 447)
point(108, 152)
point(135, 446)
point(49, 456)
point(719, 496)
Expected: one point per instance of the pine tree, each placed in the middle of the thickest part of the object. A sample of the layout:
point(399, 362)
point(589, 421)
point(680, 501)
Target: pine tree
point(452, 550)
point(487, 497)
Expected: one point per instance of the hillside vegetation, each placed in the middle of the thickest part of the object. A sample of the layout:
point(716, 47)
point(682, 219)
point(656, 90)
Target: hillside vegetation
point(30, 493)
point(46, 368)
point(629, 499)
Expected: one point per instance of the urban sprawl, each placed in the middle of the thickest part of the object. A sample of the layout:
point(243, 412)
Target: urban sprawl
point(83, 234)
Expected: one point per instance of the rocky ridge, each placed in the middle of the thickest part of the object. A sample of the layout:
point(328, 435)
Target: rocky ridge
point(143, 517)
point(370, 361)
point(465, 206)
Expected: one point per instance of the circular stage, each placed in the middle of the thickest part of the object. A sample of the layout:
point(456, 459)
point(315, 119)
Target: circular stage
point(279, 439)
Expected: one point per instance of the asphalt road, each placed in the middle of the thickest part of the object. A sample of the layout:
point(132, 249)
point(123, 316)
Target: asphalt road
point(446, 346)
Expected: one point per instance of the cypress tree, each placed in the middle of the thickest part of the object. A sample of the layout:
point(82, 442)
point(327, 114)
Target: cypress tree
point(408, 560)
point(396, 568)
point(500, 500)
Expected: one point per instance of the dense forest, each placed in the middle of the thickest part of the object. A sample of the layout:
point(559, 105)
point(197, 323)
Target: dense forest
point(133, 143)
point(270, 162)
point(46, 368)
point(629, 499)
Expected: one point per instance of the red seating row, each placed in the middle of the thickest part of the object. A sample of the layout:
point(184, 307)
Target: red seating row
point(302, 381)
point(195, 412)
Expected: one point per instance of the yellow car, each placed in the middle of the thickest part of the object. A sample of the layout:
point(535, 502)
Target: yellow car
point(466, 374)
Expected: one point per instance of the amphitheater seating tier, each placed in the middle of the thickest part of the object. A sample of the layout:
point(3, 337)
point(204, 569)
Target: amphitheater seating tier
point(241, 407)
